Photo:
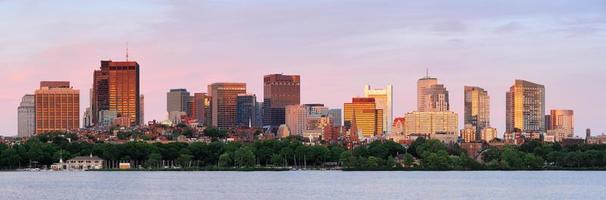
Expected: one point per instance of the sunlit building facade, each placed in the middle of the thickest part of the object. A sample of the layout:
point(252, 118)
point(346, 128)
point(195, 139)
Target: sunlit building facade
point(477, 109)
point(57, 107)
point(562, 119)
point(429, 123)
point(200, 108)
point(525, 107)
point(489, 134)
point(223, 103)
point(368, 119)
point(307, 120)
point(468, 133)
point(383, 101)
point(116, 88)
point(431, 96)
point(423, 85)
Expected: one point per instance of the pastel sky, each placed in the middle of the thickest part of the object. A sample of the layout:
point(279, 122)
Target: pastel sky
point(336, 46)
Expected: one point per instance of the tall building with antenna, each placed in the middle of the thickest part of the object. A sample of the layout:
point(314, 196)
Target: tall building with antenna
point(431, 96)
point(116, 88)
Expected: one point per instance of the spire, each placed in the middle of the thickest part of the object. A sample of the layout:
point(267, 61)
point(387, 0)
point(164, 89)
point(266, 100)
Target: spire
point(427, 72)
point(126, 51)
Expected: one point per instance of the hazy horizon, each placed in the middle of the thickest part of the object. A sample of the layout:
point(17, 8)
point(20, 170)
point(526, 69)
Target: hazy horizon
point(337, 47)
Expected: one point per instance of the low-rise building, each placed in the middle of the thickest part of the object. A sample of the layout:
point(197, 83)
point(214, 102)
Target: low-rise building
point(79, 163)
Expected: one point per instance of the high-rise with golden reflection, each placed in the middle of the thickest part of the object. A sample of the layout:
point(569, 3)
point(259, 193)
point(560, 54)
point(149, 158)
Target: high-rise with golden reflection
point(477, 109)
point(562, 120)
point(57, 107)
point(116, 88)
point(224, 103)
point(525, 107)
point(364, 113)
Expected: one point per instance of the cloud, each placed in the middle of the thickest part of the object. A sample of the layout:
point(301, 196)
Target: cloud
point(509, 27)
point(449, 26)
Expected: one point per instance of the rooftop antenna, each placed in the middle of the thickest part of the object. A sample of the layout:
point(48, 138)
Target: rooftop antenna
point(126, 51)
point(426, 70)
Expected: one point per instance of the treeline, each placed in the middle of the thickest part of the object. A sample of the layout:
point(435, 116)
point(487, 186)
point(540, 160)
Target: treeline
point(422, 154)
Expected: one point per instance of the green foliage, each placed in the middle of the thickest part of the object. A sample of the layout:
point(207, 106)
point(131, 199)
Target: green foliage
point(244, 157)
point(47, 149)
point(225, 160)
point(408, 160)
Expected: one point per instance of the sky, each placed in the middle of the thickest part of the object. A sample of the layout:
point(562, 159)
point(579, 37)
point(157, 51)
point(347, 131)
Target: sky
point(336, 46)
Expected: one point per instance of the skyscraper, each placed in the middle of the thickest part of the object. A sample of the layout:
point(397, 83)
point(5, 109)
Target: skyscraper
point(431, 96)
point(200, 108)
point(279, 91)
point(26, 113)
point(562, 120)
point(364, 113)
point(57, 107)
point(223, 103)
point(384, 101)
point(422, 85)
point(477, 109)
point(525, 107)
point(246, 108)
point(116, 88)
point(177, 100)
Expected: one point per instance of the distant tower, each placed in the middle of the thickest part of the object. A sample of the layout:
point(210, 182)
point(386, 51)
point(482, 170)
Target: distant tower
point(27, 116)
point(384, 100)
point(477, 109)
point(587, 135)
point(279, 91)
point(431, 96)
point(525, 107)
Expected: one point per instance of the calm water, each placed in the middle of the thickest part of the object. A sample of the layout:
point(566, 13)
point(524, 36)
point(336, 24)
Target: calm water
point(303, 185)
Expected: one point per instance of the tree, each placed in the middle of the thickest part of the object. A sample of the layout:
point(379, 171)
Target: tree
point(244, 157)
point(391, 162)
point(430, 146)
point(9, 158)
point(490, 154)
point(346, 158)
point(184, 160)
point(439, 160)
point(373, 162)
point(512, 158)
point(408, 160)
point(225, 160)
point(277, 160)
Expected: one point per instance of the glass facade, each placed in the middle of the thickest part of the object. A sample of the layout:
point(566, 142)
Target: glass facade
point(57, 109)
point(364, 113)
point(477, 109)
point(525, 107)
point(223, 103)
point(279, 91)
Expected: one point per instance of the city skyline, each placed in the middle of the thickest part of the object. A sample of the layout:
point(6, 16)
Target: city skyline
point(349, 60)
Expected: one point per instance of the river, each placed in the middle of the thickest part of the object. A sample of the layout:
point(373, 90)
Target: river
point(305, 185)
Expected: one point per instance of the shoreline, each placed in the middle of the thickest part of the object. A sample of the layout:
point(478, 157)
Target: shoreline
point(310, 169)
